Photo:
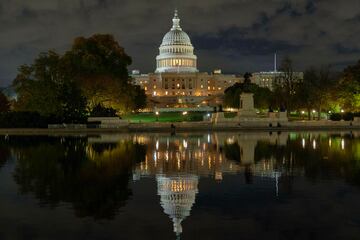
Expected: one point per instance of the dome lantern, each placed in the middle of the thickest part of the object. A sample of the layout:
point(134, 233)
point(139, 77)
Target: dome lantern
point(176, 22)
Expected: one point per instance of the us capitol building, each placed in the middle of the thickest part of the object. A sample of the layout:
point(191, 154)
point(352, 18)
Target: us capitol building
point(177, 81)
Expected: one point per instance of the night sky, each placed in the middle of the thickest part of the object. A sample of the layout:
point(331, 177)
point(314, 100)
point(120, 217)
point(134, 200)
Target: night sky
point(234, 35)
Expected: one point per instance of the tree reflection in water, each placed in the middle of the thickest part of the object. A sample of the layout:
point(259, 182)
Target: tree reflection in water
point(94, 178)
point(4, 151)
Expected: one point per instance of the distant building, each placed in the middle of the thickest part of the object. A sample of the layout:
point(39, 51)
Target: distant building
point(271, 78)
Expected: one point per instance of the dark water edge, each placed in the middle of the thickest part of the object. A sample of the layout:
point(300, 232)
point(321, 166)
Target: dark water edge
point(299, 185)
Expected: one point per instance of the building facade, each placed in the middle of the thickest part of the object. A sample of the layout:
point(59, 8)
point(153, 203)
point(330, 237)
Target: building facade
point(176, 81)
point(272, 78)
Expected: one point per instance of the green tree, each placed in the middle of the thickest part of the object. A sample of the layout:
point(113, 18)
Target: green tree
point(73, 103)
point(99, 64)
point(262, 96)
point(315, 90)
point(4, 103)
point(349, 88)
point(45, 87)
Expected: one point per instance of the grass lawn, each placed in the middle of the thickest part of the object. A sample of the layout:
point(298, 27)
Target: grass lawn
point(165, 117)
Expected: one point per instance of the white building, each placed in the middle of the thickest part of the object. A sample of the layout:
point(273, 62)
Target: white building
point(177, 82)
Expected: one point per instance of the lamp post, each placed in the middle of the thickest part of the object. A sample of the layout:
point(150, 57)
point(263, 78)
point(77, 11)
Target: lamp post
point(157, 116)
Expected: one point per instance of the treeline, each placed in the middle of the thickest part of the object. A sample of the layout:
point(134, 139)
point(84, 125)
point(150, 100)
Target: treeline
point(66, 88)
point(321, 90)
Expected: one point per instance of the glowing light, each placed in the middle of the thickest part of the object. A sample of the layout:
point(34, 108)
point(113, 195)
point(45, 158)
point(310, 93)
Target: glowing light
point(184, 113)
point(185, 143)
point(157, 144)
point(342, 110)
point(155, 157)
point(314, 144)
point(314, 111)
point(342, 144)
point(302, 112)
point(157, 113)
point(208, 138)
point(303, 142)
point(329, 142)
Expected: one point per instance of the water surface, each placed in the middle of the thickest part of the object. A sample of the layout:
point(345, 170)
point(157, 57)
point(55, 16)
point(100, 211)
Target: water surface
point(188, 186)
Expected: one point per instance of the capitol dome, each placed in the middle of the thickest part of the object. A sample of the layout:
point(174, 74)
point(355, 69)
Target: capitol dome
point(177, 196)
point(176, 53)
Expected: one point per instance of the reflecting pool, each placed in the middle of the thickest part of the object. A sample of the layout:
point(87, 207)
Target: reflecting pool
point(303, 185)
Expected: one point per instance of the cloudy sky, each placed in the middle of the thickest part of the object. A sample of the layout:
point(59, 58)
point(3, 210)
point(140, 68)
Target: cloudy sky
point(234, 35)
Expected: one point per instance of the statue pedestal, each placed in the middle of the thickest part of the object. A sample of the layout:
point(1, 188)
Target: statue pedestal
point(283, 116)
point(247, 109)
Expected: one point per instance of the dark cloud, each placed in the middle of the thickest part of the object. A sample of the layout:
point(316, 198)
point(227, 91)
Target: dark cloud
point(236, 35)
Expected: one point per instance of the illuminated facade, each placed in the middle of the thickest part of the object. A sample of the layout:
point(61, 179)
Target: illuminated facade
point(270, 79)
point(176, 81)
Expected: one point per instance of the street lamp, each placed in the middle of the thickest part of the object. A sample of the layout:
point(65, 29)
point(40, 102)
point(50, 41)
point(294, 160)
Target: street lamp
point(157, 116)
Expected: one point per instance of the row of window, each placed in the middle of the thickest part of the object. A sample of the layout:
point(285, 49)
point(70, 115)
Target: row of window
point(176, 62)
point(177, 86)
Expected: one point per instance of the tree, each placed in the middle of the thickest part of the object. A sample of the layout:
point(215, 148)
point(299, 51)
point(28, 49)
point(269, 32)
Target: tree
point(4, 103)
point(92, 72)
point(98, 55)
point(315, 90)
point(262, 96)
point(73, 103)
point(286, 85)
point(99, 65)
point(349, 88)
point(44, 87)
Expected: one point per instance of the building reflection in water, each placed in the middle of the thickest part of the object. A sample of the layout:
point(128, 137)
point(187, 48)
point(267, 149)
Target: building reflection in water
point(177, 196)
point(178, 162)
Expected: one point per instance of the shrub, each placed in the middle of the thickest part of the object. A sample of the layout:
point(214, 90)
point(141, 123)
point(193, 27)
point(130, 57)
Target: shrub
point(335, 117)
point(348, 116)
point(101, 111)
point(23, 120)
point(195, 118)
